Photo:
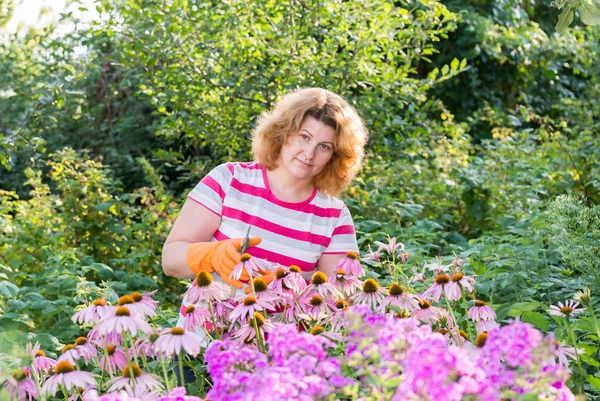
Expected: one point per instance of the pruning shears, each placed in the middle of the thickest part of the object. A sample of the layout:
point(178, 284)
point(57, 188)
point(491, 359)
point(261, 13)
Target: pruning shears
point(246, 241)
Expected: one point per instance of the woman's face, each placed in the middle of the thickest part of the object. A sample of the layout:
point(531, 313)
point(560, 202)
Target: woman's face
point(306, 153)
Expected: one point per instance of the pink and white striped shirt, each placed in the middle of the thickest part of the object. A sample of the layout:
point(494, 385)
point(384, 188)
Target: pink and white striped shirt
point(292, 233)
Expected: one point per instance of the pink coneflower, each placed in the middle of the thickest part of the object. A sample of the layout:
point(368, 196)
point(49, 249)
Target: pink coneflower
point(567, 309)
point(145, 344)
point(291, 307)
point(86, 349)
point(371, 294)
point(137, 308)
point(263, 292)
point(486, 326)
point(247, 333)
point(141, 381)
point(562, 351)
point(246, 309)
point(117, 359)
point(320, 285)
point(194, 316)
point(458, 282)
point(480, 311)
point(143, 304)
point(70, 353)
point(397, 297)
point(20, 386)
point(66, 375)
point(348, 285)
point(351, 265)
point(205, 289)
point(122, 321)
point(250, 265)
point(391, 247)
point(287, 280)
point(93, 313)
point(41, 363)
point(316, 307)
point(439, 283)
point(173, 341)
point(109, 338)
point(425, 312)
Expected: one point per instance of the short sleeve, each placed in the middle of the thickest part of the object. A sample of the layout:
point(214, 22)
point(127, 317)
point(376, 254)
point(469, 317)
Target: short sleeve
point(210, 191)
point(343, 239)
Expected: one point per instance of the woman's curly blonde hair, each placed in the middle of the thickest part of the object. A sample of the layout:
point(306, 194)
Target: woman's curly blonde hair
point(274, 127)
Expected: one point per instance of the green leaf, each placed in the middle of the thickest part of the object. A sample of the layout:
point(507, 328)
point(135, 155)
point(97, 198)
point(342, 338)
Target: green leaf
point(537, 319)
point(527, 306)
point(103, 206)
point(564, 20)
point(463, 63)
point(445, 69)
point(589, 14)
point(8, 289)
point(594, 381)
point(455, 64)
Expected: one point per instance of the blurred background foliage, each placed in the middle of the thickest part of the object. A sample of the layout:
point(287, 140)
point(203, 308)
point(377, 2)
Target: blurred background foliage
point(480, 116)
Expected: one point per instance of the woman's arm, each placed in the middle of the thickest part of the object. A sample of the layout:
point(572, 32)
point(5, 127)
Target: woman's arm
point(328, 262)
point(195, 223)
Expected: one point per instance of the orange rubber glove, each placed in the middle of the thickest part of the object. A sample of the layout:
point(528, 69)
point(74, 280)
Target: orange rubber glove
point(267, 275)
point(220, 257)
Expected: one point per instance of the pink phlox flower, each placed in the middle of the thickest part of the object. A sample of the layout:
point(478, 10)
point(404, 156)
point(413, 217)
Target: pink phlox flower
point(178, 394)
point(142, 382)
point(247, 333)
point(194, 316)
point(486, 326)
point(251, 265)
point(569, 308)
point(94, 312)
point(373, 255)
point(481, 311)
point(109, 338)
point(206, 292)
point(122, 321)
point(20, 386)
point(351, 265)
point(347, 284)
point(391, 247)
point(245, 310)
point(66, 375)
point(117, 360)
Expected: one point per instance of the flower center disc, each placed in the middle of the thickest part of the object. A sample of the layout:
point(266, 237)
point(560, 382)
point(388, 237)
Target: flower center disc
point(64, 367)
point(318, 278)
point(370, 286)
point(442, 279)
point(137, 372)
point(204, 279)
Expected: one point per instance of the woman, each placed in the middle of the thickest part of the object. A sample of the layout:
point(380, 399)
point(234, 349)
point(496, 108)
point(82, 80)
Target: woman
point(307, 150)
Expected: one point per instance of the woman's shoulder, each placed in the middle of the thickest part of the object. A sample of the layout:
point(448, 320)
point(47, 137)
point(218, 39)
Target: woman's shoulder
point(328, 201)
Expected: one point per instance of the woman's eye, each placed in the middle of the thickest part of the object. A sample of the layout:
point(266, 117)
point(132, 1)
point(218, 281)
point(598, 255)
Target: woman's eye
point(325, 147)
point(305, 137)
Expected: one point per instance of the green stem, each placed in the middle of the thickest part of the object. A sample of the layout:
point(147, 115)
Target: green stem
point(455, 322)
point(65, 392)
point(464, 298)
point(214, 321)
point(180, 363)
point(38, 384)
point(106, 358)
point(131, 372)
point(591, 310)
point(259, 341)
point(164, 369)
point(573, 339)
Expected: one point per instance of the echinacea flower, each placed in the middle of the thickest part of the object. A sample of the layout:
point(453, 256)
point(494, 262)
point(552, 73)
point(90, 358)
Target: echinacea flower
point(438, 287)
point(20, 386)
point(145, 344)
point(117, 360)
point(347, 284)
point(250, 264)
point(320, 285)
point(458, 282)
point(86, 349)
point(143, 304)
point(562, 351)
point(247, 332)
point(584, 296)
point(290, 279)
point(140, 381)
point(351, 265)
point(111, 338)
point(194, 316)
point(70, 353)
point(486, 326)
point(371, 294)
point(41, 363)
point(94, 312)
point(174, 341)
point(397, 297)
point(567, 309)
point(245, 310)
point(426, 312)
point(480, 311)
point(315, 307)
point(262, 291)
point(66, 375)
point(121, 322)
point(205, 289)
